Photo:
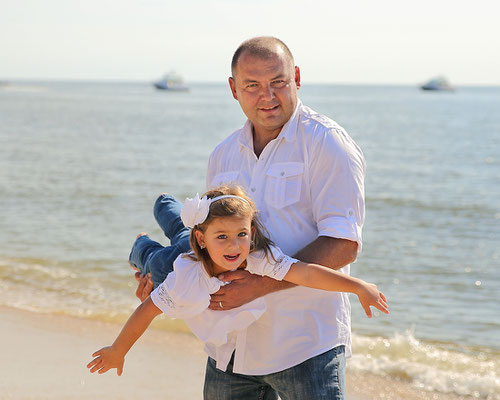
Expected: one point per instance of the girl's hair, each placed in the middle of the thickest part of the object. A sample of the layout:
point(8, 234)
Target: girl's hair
point(230, 207)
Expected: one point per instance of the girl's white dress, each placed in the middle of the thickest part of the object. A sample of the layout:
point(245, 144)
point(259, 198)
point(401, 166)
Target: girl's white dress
point(186, 291)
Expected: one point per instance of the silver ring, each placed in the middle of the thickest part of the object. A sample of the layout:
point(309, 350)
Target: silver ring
point(220, 304)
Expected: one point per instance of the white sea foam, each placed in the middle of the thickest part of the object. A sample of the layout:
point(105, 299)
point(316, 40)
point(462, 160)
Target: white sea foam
point(429, 366)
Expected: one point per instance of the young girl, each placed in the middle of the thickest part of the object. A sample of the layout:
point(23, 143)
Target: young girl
point(225, 235)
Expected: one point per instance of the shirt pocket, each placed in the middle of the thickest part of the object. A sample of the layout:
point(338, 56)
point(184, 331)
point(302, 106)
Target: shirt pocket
point(284, 184)
point(224, 178)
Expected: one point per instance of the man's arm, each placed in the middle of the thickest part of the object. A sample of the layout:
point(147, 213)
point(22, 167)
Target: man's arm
point(330, 252)
point(245, 287)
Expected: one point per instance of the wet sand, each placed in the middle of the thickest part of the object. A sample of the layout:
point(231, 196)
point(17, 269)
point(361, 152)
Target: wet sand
point(45, 356)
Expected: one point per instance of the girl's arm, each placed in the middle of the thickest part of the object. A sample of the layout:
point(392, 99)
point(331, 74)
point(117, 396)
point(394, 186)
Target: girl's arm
point(114, 356)
point(319, 277)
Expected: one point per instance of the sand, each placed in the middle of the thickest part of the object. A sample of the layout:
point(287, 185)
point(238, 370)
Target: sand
point(45, 356)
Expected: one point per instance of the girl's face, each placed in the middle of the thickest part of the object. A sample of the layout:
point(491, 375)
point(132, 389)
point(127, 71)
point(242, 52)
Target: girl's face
point(227, 240)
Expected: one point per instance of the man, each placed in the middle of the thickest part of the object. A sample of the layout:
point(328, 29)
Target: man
point(306, 176)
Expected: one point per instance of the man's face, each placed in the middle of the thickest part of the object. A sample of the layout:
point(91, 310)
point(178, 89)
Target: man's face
point(266, 90)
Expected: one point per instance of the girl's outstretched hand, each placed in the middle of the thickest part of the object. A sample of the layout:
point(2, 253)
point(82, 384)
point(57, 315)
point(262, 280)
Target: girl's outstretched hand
point(106, 359)
point(369, 295)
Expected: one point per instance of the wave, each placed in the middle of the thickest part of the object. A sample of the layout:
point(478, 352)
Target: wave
point(433, 367)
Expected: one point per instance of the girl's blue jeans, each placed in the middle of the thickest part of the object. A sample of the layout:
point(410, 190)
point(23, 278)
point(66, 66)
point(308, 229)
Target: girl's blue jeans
point(149, 256)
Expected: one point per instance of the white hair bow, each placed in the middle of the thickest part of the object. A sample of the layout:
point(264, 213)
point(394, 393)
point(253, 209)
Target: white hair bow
point(195, 210)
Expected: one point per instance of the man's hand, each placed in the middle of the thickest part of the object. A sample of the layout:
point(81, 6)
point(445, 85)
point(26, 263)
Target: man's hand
point(244, 288)
point(144, 287)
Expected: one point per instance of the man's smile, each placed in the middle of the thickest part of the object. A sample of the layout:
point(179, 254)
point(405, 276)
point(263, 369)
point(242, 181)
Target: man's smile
point(272, 108)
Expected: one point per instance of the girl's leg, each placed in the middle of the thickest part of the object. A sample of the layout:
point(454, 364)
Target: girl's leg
point(142, 250)
point(148, 256)
point(167, 212)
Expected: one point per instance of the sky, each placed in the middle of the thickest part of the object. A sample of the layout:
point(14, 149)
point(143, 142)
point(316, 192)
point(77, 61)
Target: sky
point(353, 41)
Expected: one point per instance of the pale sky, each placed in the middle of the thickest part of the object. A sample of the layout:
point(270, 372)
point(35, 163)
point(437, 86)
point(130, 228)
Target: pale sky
point(350, 41)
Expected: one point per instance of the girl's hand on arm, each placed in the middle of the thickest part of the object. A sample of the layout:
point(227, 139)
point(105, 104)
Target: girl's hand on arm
point(106, 359)
point(369, 295)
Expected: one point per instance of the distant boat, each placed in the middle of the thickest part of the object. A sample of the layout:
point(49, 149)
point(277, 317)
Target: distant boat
point(437, 83)
point(171, 81)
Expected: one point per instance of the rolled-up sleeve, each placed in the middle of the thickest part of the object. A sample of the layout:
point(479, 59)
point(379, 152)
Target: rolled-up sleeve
point(337, 172)
point(275, 265)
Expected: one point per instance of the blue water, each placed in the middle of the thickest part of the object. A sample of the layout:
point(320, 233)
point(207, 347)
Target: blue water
point(81, 164)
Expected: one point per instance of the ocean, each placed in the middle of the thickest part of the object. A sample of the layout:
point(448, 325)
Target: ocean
point(82, 163)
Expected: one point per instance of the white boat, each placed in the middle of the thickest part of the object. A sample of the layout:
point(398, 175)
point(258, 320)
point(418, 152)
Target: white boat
point(437, 83)
point(171, 81)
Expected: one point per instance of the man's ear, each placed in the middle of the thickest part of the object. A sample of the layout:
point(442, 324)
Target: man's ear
point(200, 238)
point(297, 77)
point(232, 85)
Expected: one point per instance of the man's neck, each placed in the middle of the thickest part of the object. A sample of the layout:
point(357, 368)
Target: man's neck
point(261, 139)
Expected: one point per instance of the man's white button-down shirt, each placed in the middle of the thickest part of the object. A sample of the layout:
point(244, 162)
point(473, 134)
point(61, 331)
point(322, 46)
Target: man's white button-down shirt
point(308, 182)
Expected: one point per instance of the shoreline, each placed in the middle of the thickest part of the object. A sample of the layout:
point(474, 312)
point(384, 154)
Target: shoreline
point(46, 355)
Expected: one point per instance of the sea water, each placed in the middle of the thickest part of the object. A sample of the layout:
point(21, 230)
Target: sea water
point(82, 163)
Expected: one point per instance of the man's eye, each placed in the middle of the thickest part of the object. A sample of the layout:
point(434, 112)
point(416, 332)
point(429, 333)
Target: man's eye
point(242, 234)
point(221, 237)
point(252, 87)
point(278, 83)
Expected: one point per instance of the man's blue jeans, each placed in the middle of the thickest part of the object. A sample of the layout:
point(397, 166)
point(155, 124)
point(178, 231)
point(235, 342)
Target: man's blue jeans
point(319, 378)
point(150, 256)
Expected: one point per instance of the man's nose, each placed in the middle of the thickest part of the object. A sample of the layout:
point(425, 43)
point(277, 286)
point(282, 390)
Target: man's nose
point(267, 92)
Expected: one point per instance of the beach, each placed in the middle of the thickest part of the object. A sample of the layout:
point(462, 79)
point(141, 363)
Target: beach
point(83, 162)
point(45, 357)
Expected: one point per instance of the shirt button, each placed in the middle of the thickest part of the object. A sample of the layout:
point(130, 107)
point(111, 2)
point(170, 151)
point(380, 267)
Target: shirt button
point(351, 213)
point(252, 189)
point(282, 173)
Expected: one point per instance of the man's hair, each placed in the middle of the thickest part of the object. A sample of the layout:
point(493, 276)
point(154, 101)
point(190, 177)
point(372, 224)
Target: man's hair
point(263, 47)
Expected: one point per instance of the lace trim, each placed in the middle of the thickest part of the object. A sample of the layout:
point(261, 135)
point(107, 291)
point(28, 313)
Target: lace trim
point(165, 297)
point(281, 263)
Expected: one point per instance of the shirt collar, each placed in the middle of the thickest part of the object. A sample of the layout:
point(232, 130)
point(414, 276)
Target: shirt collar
point(288, 132)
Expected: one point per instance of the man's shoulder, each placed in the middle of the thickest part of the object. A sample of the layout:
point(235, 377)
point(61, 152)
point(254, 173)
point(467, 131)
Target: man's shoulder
point(317, 123)
point(322, 133)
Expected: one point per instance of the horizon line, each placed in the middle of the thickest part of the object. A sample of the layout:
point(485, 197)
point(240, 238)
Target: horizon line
point(7, 81)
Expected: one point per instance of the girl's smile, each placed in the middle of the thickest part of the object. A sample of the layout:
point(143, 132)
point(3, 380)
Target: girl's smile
point(231, 258)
